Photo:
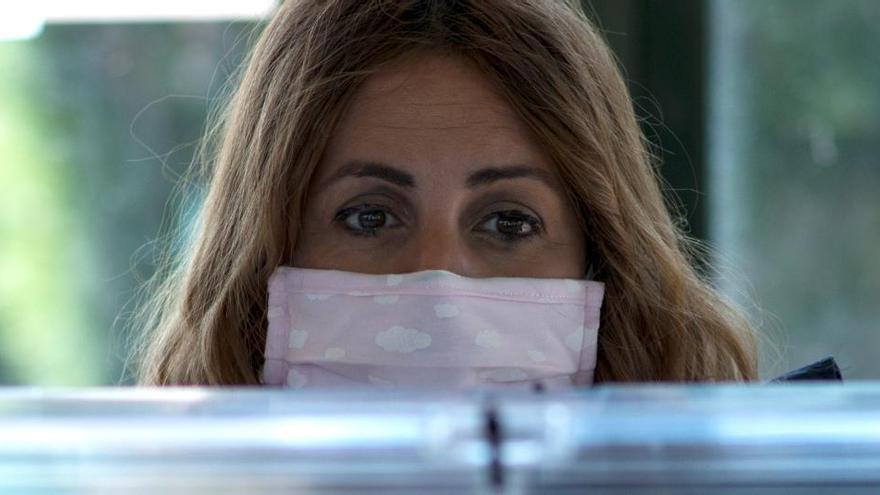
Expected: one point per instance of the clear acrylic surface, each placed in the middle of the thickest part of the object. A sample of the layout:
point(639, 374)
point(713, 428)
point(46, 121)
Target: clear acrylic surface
point(791, 438)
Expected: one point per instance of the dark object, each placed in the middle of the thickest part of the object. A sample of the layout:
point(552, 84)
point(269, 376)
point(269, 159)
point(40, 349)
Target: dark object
point(825, 369)
point(494, 436)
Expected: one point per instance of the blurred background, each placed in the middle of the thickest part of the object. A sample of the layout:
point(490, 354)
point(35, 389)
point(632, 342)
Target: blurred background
point(766, 114)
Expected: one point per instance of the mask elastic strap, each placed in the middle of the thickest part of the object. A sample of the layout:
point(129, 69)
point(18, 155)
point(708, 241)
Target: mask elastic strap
point(591, 272)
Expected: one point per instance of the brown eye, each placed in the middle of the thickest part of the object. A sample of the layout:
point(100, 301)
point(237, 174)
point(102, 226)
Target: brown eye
point(366, 219)
point(511, 225)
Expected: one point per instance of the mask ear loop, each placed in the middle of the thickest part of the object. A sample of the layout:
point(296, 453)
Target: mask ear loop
point(591, 272)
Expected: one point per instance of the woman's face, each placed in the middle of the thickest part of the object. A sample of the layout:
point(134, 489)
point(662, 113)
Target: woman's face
point(430, 169)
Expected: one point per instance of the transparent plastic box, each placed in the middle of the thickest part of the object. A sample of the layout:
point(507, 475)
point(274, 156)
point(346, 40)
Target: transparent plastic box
point(756, 439)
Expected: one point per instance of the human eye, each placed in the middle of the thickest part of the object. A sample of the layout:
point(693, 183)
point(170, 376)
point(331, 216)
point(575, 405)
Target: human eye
point(511, 225)
point(366, 220)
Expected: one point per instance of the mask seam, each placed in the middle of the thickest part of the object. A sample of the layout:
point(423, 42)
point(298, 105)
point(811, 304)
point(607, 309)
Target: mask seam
point(527, 298)
point(534, 297)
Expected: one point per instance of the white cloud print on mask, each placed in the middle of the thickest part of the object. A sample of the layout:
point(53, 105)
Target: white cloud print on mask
point(400, 339)
point(429, 329)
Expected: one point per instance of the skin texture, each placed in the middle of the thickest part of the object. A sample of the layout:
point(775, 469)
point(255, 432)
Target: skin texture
point(469, 190)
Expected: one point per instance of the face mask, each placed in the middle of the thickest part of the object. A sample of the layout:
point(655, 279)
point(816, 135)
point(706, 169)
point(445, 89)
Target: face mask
point(429, 329)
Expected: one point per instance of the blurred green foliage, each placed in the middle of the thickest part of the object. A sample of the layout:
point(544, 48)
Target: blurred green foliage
point(96, 125)
point(44, 328)
point(807, 156)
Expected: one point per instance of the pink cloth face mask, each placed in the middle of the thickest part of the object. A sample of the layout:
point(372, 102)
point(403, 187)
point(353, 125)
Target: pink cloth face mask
point(429, 329)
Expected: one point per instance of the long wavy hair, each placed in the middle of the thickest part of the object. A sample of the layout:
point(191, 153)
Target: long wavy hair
point(205, 321)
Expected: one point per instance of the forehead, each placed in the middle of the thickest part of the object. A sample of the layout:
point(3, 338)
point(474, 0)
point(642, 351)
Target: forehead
point(433, 111)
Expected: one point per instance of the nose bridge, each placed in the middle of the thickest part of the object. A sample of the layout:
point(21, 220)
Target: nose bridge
point(439, 247)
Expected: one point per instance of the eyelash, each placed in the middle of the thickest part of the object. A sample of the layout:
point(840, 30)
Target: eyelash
point(533, 222)
point(343, 215)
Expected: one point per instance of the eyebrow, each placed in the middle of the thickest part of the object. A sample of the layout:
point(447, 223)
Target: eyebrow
point(480, 178)
point(490, 175)
point(360, 168)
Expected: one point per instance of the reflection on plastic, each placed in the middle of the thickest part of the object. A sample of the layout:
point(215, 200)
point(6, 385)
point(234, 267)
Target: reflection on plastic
point(798, 438)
